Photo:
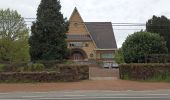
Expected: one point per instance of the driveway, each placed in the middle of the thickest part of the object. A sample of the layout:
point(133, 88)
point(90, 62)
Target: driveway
point(99, 73)
point(103, 72)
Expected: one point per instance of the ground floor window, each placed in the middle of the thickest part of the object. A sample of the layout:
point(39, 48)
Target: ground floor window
point(107, 55)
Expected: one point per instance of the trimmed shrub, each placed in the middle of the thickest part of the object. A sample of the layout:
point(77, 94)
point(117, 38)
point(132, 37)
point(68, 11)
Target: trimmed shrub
point(157, 58)
point(38, 67)
point(49, 64)
point(36, 73)
point(119, 58)
point(141, 44)
point(22, 67)
point(34, 67)
point(2, 67)
point(149, 72)
point(37, 77)
point(68, 62)
point(14, 67)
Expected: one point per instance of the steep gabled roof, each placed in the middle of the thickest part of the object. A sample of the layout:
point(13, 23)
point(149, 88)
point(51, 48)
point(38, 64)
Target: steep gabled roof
point(102, 33)
point(76, 18)
point(76, 12)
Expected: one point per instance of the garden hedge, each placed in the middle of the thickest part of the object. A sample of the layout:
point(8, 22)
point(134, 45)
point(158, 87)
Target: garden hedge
point(149, 72)
point(62, 73)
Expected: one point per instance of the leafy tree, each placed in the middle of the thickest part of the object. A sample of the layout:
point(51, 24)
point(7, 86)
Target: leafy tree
point(13, 37)
point(119, 56)
point(48, 36)
point(160, 25)
point(140, 44)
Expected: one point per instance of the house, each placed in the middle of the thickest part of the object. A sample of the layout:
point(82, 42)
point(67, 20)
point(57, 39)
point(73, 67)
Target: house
point(90, 40)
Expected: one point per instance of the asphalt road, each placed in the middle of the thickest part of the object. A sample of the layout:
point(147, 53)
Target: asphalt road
point(88, 95)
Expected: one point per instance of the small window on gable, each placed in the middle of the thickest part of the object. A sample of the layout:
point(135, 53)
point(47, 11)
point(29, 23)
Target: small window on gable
point(86, 45)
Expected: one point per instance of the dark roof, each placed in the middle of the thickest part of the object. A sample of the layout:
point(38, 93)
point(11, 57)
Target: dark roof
point(102, 33)
point(79, 37)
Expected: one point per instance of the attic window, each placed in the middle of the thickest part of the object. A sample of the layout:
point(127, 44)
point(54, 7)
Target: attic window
point(75, 24)
point(86, 45)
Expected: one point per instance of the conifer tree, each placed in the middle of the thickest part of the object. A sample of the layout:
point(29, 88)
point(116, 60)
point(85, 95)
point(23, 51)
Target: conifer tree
point(48, 33)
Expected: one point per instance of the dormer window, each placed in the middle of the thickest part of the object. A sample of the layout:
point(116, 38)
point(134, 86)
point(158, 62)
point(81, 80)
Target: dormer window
point(86, 45)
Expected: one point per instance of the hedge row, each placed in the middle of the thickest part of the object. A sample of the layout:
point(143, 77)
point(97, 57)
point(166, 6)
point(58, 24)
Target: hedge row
point(149, 72)
point(63, 73)
point(31, 66)
point(22, 67)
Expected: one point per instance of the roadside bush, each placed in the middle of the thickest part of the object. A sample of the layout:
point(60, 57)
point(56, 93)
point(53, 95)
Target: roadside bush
point(2, 67)
point(15, 66)
point(21, 67)
point(140, 44)
point(148, 72)
point(49, 64)
point(37, 67)
point(26, 77)
point(68, 62)
point(158, 58)
point(119, 58)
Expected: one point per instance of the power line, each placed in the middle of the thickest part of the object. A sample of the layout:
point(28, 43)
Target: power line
point(30, 18)
point(114, 24)
point(83, 22)
point(129, 25)
point(127, 29)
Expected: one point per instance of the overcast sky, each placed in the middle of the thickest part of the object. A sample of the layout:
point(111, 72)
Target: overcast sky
point(116, 11)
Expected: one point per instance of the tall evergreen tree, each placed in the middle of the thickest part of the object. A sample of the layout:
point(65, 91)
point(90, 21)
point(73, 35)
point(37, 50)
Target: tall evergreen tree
point(48, 36)
point(160, 25)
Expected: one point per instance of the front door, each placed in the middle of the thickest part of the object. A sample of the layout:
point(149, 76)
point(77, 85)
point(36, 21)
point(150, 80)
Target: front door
point(77, 57)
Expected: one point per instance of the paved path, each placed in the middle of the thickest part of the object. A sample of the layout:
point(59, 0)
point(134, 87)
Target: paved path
point(88, 95)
